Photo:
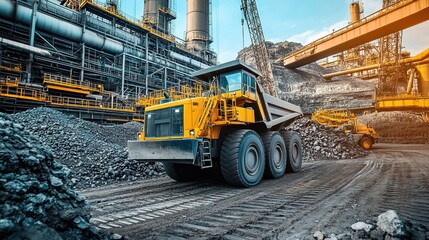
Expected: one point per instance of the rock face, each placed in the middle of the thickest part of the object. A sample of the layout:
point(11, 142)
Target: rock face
point(398, 127)
point(95, 154)
point(305, 86)
point(322, 142)
point(36, 198)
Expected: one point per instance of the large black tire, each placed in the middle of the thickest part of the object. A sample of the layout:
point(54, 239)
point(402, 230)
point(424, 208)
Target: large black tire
point(182, 172)
point(366, 142)
point(242, 158)
point(294, 151)
point(275, 154)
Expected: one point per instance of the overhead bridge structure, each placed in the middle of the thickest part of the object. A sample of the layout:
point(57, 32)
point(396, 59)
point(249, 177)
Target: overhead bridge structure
point(397, 17)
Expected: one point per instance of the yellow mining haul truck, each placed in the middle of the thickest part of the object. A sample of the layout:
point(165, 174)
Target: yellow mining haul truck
point(365, 136)
point(233, 126)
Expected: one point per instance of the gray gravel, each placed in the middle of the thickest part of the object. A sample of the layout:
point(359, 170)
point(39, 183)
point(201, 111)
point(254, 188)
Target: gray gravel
point(387, 225)
point(96, 154)
point(36, 198)
point(322, 142)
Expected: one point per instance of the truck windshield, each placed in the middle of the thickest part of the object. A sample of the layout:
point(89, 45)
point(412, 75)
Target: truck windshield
point(230, 82)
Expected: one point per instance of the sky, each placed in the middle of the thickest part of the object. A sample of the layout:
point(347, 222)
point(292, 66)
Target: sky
point(300, 21)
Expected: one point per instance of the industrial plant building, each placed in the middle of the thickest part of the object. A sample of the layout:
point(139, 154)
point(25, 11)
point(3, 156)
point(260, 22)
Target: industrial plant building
point(88, 58)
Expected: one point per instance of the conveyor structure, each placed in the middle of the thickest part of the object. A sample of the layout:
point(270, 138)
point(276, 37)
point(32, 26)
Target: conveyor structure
point(394, 18)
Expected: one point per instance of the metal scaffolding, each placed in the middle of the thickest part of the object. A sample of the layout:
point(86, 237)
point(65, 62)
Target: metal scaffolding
point(91, 44)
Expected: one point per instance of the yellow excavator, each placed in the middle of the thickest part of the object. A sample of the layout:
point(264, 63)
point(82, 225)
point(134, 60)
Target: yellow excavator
point(233, 125)
point(365, 136)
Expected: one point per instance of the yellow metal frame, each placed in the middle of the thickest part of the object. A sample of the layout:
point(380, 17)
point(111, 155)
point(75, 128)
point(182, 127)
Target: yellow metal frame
point(39, 96)
point(66, 84)
point(403, 102)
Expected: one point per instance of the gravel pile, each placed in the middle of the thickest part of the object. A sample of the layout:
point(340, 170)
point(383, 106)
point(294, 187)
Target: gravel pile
point(37, 201)
point(322, 142)
point(387, 225)
point(96, 154)
point(398, 127)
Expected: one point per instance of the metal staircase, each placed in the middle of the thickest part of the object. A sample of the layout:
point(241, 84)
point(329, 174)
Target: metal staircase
point(204, 120)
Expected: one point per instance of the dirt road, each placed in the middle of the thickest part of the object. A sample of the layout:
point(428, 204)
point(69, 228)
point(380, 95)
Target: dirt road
point(326, 195)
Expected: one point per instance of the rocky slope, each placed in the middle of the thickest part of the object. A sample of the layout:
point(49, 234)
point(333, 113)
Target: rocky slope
point(306, 87)
point(398, 127)
point(37, 201)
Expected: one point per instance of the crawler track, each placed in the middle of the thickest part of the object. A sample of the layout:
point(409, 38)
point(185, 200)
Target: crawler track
point(328, 195)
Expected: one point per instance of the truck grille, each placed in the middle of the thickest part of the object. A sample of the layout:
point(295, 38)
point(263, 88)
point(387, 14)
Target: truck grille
point(167, 122)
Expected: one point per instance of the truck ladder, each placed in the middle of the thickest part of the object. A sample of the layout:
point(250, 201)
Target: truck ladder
point(206, 157)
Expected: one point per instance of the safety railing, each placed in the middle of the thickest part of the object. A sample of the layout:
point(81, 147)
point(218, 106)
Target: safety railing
point(22, 93)
point(68, 82)
point(36, 95)
point(175, 93)
point(12, 68)
point(127, 18)
point(167, 11)
point(10, 81)
point(78, 102)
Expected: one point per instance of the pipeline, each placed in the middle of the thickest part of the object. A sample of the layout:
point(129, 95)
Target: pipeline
point(25, 47)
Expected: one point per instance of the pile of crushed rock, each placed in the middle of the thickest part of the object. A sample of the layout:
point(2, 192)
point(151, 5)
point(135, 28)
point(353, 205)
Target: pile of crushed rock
point(96, 154)
point(37, 201)
point(387, 225)
point(325, 143)
point(398, 127)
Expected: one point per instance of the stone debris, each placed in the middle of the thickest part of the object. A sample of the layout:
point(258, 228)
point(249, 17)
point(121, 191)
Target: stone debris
point(322, 142)
point(96, 154)
point(390, 223)
point(36, 198)
point(362, 226)
point(386, 226)
point(318, 235)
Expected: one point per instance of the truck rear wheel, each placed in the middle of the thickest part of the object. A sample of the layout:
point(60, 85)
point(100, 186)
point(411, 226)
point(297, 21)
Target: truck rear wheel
point(366, 143)
point(294, 151)
point(242, 158)
point(275, 154)
point(182, 172)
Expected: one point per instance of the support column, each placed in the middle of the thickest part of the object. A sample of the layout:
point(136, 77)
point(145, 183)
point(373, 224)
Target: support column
point(31, 40)
point(82, 71)
point(146, 70)
point(165, 76)
point(123, 75)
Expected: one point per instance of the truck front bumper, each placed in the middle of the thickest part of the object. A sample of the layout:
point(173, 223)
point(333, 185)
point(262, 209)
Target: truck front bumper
point(171, 151)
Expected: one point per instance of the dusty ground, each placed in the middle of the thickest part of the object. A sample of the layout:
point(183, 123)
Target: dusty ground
point(326, 195)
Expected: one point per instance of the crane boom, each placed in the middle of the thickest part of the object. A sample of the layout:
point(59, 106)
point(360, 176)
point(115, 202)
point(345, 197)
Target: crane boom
point(260, 50)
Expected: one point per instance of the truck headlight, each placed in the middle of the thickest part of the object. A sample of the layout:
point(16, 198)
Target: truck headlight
point(192, 133)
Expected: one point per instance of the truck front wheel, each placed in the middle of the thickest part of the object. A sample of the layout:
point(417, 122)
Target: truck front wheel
point(182, 172)
point(242, 158)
